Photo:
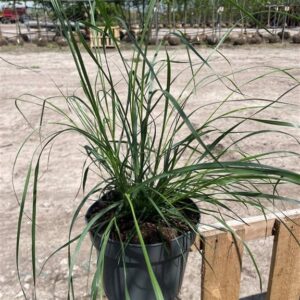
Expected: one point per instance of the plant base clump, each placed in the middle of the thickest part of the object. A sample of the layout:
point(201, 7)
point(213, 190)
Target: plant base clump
point(166, 37)
point(229, 24)
point(212, 40)
point(3, 42)
point(153, 41)
point(199, 39)
point(25, 38)
point(227, 39)
point(284, 35)
point(296, 38)
point(240, 40)
point(273, 39)
point(18, 41)
point(174, 40)
point(187, 37)
point(255, 39)
point(129, 37)
point(42, 42)
point(61, 41)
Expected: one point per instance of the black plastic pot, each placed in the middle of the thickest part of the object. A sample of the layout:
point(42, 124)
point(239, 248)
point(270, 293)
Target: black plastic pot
point(168, 263)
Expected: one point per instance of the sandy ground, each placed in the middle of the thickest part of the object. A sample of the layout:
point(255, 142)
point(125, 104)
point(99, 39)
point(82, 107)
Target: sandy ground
point(57, 191)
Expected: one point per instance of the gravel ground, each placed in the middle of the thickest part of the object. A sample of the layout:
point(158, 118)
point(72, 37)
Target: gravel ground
point(41, 72)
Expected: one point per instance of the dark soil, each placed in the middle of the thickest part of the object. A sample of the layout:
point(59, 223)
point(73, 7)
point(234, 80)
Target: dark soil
point(154, 229)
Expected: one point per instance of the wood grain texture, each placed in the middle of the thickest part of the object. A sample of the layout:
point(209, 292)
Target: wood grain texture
point(258, 226)
point(284, 280)
point(96, 39)
point(221, 267)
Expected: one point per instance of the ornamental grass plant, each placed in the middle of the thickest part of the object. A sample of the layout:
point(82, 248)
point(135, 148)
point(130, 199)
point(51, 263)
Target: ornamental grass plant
point(135, 143)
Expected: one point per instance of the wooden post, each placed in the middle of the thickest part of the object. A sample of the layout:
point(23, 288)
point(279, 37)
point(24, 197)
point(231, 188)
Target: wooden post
point(284, 280)
point(221, 266)
point(97, 38)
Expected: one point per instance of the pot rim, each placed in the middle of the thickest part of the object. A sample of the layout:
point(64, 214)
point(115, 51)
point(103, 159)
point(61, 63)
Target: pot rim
point(155, 244)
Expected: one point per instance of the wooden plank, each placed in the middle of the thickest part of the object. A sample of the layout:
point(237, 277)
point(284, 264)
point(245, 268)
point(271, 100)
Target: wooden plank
point(221, 267)
point(284, 280)
point(259, 226)
point(97, 38)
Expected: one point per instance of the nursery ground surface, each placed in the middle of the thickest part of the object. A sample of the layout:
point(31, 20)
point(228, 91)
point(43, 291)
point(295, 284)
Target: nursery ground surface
point(41, 73)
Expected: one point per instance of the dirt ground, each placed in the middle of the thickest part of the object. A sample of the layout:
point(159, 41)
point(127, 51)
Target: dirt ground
point(40, 73)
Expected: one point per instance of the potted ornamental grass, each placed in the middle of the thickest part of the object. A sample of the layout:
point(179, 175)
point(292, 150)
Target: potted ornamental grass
point(157, 171)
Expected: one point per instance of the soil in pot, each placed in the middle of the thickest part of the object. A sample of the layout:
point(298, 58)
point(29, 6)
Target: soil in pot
point(167, 249)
